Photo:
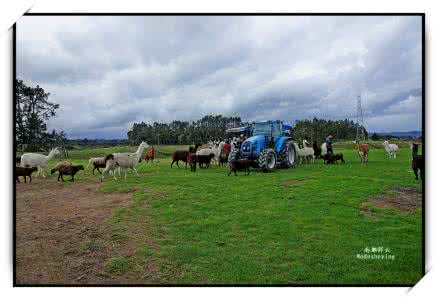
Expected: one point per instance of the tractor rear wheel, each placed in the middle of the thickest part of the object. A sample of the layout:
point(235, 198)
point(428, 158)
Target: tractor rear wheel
point(288, 155)
point(267, 160)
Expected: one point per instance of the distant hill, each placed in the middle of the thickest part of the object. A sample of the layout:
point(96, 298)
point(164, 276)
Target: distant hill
point(402, 134)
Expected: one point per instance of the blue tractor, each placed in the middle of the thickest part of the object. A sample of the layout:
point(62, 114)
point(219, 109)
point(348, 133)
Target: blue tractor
point(270, 145)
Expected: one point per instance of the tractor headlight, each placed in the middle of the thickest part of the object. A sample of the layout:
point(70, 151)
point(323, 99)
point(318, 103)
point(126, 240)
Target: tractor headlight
point(246, 147)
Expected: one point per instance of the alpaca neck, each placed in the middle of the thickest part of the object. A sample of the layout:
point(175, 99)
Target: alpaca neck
point(51, 155)
point(414, 154)
point(139, 150)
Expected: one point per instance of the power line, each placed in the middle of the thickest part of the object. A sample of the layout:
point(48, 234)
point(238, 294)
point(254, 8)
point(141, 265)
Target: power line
point(360, 133)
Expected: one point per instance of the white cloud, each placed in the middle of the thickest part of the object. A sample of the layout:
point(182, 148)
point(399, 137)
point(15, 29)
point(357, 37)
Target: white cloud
point(108, 72)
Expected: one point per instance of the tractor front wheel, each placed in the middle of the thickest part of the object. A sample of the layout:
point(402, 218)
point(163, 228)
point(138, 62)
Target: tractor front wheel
point(267, 160)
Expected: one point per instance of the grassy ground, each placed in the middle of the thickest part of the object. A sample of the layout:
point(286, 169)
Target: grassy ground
point(296, 226)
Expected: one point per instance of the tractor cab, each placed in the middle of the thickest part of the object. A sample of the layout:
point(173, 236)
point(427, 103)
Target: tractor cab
point(271, 131)
point(265, 134)
point(270, 144)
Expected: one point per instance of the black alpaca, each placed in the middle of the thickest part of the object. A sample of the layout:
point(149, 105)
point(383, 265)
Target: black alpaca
point(417, 162)
point(317, 150)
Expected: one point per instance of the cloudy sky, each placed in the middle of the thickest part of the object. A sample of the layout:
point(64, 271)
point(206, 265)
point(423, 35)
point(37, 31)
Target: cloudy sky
point(111, 71)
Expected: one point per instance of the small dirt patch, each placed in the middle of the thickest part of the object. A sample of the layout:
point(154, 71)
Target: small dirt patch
point(62, 233)
point(365, 209)
point(401, 198)
point(293, 182)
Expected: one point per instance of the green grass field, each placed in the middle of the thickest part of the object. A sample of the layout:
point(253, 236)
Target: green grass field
point(207, 228)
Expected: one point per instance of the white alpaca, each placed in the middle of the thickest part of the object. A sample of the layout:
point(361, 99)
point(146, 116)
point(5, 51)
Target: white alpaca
point(391, 149)
point(40, 161)
point(323, 149)
point(305, 143)
point(220, 150)
point(309, 152)
point(215, 150)
point(233, 144)
point(124, 161)
point(305, 153)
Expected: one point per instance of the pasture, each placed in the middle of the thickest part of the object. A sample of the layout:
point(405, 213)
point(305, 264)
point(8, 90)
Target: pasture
point(171, 226)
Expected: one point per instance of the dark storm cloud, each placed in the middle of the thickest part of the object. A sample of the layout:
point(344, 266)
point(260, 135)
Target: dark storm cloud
point(109, 72)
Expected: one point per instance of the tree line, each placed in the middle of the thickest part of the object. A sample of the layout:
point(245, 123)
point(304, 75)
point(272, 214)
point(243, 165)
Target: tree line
point(213, 127)
point(209, 127)
point(318, 129)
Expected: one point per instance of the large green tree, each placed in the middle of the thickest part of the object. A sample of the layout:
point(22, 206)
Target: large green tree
point(33, 109)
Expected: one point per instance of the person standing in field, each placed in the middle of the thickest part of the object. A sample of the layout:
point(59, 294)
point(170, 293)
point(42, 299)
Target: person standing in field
point(329, 144)
point(227, 147)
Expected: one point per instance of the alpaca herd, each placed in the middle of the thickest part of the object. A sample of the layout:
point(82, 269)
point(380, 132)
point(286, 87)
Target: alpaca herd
point(214, 153)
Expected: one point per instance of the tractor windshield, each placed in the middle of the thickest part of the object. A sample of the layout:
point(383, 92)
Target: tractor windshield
point(267, 128)
point(262, 129)
point(276, 129)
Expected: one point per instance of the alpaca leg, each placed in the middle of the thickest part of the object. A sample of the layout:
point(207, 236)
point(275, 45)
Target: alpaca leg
point(105, 171)
point(136, 171)
point(25, 179)
point(416, 173)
